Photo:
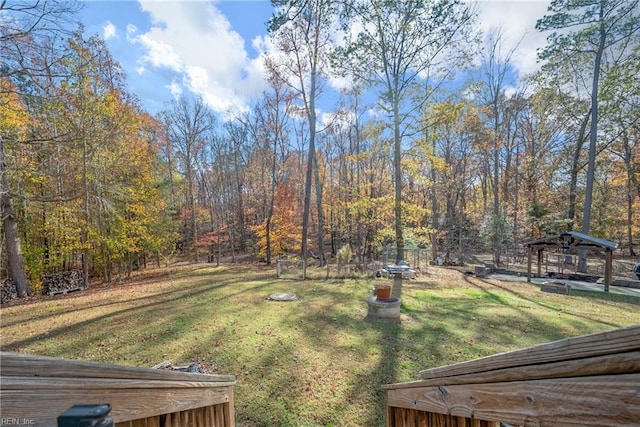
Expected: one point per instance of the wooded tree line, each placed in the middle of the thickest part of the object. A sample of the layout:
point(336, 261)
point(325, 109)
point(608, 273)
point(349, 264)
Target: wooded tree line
point(436, 141)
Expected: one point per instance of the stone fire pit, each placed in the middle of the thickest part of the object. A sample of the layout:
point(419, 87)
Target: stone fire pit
point(283, 296)
point(389, 309)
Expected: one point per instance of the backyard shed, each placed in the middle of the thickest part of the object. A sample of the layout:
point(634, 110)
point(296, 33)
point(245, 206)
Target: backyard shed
point(572, 242)
point(593, 380)
point(35, 390)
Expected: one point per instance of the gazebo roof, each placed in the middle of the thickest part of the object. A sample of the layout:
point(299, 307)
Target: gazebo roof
point(572, 240)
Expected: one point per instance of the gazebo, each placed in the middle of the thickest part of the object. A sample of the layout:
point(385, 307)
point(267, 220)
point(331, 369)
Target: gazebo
point(572, 242)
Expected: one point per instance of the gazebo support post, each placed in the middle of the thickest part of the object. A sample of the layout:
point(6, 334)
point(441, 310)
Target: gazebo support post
point(540, 251)
point(608, 269)
point(529, 256)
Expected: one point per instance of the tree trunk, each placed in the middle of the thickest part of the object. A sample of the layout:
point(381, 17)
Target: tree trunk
point(219, 252)
point(271, 204)
point(630, 191)
point(192, 211)
point(575, 168)
point(497, 214)
point(397, 167)
point(573, 185)
point(593, 138)
point(360, 238)
point(307, 197)
point(10, 228)
point(240, 205)
point(318, 183)
point(85, 225)
point(310, 104)
point(435, 218)
point(516, 199)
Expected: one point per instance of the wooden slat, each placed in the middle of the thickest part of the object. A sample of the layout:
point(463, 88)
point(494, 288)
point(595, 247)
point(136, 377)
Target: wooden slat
point(25, 364)
point(195, 418)
point(617, 341)
point(139, 423)
point(404, 417)
point(210, 420)
point(229, 411)
point(611, 400)
point(390, 416)
point(623, 363)
point(398, 418)
point(202, 417)
point(219, 417)
point(175, 420)
point(165, 420)
point(422, 419)
point(27, 383)
point(127, 403)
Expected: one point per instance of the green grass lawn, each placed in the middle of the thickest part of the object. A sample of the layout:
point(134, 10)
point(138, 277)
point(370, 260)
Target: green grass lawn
point(318, 361)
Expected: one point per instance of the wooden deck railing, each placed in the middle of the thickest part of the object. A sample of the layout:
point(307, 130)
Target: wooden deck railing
point(34, 390)
point(593, 380)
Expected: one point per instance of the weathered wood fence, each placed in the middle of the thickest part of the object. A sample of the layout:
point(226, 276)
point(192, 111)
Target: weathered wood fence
point(35, 390)
point(593, 380)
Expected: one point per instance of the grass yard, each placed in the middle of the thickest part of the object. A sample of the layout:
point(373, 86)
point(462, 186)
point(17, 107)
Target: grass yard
point(318, 361)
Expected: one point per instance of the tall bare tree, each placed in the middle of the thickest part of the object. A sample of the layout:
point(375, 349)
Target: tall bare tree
point(269, 131)
point(189, 124)
point(496, 69)
point(302, 31)
point(599, 25)
point(390, 45)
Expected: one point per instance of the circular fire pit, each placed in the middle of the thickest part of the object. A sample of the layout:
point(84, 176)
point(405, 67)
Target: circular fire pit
point(389, 309)
point(283, 296)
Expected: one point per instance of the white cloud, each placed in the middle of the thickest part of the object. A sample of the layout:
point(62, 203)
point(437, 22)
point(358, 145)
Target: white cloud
point(196, 41)
point(340, 119)
point(517, 20)
point(109, 30)
point(159, 54)
point(131, 30)
point(197, 78)
point(340, 83)
point(376, 113)
point(175, 89)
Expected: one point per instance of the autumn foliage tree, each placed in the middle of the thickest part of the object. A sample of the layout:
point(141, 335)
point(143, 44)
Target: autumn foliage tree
point(28, 33)
point(283, 236)
point(80, 166)
point(14, 120)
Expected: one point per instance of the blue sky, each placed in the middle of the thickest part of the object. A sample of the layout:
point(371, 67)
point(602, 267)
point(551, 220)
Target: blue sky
point(169, 47)
point(214, 48)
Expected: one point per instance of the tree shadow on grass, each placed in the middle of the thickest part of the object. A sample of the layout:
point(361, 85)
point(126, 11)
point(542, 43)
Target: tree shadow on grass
point(364, 353)
point(166, 305)
point(160, 295)
point(449, 330)
point(575, 293)
point(606, 296)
